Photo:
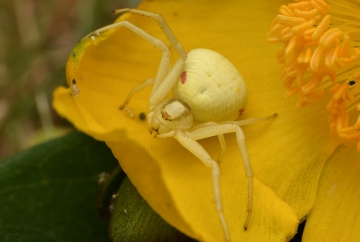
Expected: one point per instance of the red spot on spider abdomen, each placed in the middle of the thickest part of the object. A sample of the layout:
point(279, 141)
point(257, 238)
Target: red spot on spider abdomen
point(183, 77)
point(241, 111)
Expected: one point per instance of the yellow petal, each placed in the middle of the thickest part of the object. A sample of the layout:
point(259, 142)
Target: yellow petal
point(336, 214)
point(179, 188)
point(287, 153)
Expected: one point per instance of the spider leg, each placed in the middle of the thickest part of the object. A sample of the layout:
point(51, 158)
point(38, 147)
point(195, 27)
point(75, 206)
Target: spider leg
point(164, 85)
point(135, 89)
point(165, 59)
point(220, 137)
point(250, 120)
point(196, 149)
point(220, 129)
point(163, 25)
point(165, 79)
point(223, 147)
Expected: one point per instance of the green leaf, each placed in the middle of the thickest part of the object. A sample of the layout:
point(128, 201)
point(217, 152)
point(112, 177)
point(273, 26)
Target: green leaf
point(134, 220)
point(50, 192)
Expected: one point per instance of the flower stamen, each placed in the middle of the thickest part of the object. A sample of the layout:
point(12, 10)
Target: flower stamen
point(321, 28)
point(321, 53)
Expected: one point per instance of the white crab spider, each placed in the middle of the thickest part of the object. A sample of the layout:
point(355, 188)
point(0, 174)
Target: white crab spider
point(208, 95)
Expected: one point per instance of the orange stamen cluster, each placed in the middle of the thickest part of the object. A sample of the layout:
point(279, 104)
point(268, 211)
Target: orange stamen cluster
point(315, 52)
point(341, 97)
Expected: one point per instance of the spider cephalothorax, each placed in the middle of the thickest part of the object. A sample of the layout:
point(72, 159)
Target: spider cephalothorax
point(170, 116)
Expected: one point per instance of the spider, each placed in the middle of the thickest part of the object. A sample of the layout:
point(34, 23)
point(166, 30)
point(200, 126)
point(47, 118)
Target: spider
point(208, 96)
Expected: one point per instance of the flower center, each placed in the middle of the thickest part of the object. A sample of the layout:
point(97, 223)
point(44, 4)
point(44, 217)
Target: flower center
point(321, 53)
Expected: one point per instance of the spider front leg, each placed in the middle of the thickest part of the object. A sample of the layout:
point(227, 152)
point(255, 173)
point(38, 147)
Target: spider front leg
point(231, 127)
point(220, 137)
point(165, 79)
point(196, 149)
point(164, 66)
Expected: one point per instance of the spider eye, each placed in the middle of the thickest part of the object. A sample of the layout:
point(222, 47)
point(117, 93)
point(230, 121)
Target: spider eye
point(166, 116)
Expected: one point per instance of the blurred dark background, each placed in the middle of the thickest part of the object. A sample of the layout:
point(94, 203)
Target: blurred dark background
point(36, 38)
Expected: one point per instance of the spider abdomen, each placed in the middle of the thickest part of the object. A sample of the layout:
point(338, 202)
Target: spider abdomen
point(211, 86)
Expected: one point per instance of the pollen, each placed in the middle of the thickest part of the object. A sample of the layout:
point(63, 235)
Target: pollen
point(321, 59)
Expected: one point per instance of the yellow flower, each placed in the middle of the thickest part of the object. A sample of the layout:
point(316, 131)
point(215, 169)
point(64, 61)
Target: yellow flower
point(287, 154)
